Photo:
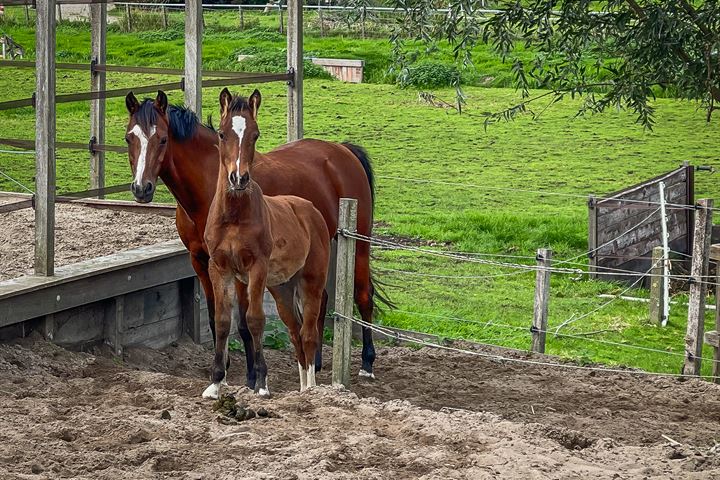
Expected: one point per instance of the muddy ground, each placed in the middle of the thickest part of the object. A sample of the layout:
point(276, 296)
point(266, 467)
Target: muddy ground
point(429, 414)
point(81, 233)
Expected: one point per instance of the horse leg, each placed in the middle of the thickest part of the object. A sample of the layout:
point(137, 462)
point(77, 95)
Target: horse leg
point(321, 330)
point(284, 299)
point(364, 301)
point(245, 334)
point(225, 307)
point(256, 324)
point(312, 294)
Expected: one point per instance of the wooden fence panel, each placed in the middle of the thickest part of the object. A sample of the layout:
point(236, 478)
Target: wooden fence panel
point(612, 218)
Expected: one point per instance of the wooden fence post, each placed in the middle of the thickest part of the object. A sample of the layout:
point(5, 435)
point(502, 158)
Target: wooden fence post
point(129, 17)
point(280, 17)
point(321, 19)
point(657, 291)
point(27, 15)
point(45, 138)
point(542, 297)
point(716, 350)
point(164, 16)
point(242, 17)
point(344, 287)
point(98, 42)
point(698, 287)
point(193, 55)
point(295, 63)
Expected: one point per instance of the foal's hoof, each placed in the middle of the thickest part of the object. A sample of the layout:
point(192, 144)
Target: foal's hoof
point(213, 391)
point(366, 374)
point(263, 392)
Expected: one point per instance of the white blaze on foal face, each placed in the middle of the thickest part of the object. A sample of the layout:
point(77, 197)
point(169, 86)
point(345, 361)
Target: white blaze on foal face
point(141, 160)
point(238, 126)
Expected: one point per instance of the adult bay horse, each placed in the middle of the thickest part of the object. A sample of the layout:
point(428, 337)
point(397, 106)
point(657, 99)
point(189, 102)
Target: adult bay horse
point(254, 242)
point(169, 142)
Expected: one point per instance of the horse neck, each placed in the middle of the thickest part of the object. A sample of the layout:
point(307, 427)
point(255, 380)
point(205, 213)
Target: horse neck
point(247, 207)
point(189, 170)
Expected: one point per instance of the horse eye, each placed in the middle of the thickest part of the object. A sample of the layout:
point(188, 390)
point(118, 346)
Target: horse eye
point(257, 135)
point(127, 138)
point(222, 136)
point(163, 141)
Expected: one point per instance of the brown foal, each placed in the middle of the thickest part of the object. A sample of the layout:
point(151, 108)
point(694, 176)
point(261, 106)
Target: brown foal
point(256, 241)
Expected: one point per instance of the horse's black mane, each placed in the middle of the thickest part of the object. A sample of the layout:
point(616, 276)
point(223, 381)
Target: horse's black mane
point(183, 121)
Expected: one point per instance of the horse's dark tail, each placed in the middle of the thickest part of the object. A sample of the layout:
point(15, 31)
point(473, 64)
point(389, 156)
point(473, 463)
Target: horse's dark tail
point(362, 155)
point(378, 293)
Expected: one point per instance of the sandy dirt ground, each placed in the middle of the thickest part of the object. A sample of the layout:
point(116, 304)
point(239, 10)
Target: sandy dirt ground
point(428, 415)
point(81, 233)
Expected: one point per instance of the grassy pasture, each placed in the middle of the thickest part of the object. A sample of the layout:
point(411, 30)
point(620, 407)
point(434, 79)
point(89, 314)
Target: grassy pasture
point(512, 174)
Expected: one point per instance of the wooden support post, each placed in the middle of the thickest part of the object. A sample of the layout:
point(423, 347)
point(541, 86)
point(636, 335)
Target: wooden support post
point(542, 297)
point(656, 287)
point(295, 63)
point(129, 17)
point(698, 287)
point(45, 138)
point(321, 19)
point(59, 13)
point(193, 55)
point(164, 16)
point(344, 287)
point(98, 42)
point(242, 17)
point(114, 330)
point(27, 14)
point(280, 18)
point(190, 308)
point(592, 236)
point(47, 327)
point(716, 350)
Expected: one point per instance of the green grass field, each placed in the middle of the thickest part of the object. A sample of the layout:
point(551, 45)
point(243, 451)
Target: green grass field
point(511, 173)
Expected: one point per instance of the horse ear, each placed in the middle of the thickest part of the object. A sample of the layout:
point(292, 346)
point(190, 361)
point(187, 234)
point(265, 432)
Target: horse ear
point(225, 99)
point(254, 102)
point(131, 102)
point(161, 101)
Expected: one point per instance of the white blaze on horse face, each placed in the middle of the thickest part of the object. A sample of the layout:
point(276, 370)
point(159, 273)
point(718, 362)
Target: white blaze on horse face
point(144, 140)
point(238, 126)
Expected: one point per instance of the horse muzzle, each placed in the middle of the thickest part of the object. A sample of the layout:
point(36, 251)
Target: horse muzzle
point(143, 193)
point(237, 182)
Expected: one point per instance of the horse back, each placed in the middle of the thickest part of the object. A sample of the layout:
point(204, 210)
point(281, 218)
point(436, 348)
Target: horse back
point(321, 172)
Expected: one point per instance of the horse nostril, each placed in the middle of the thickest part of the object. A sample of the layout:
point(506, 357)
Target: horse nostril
point(233, 178)
point(245, 178)
point(149, 188)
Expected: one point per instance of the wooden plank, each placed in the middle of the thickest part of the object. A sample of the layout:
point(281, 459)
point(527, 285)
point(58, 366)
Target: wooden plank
point(87, 282)
point(638, 245)
point(542, 298)
point(45, 138)
point(84, 325)
point(656, 287)
point(295, 63)
point(193, 55)
point(666, 177)
point(98, 41)
point(698, 288)
point(610, 213)
point(344, 287)
point(154, 335)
